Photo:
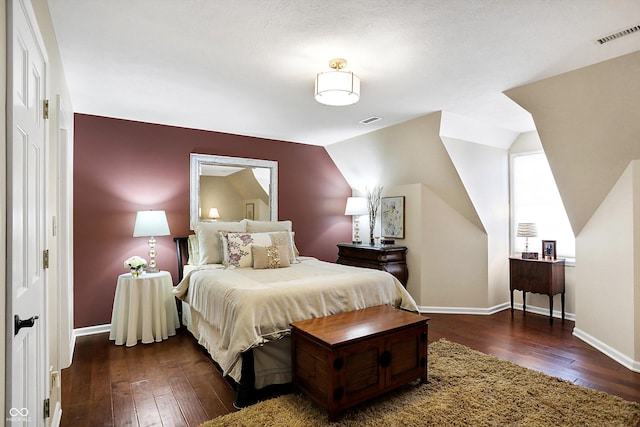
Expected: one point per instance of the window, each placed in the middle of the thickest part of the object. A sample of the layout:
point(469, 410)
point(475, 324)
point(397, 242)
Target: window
point(535, 198)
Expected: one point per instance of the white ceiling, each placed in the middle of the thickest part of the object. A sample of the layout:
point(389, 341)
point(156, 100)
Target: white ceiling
point(248, 66)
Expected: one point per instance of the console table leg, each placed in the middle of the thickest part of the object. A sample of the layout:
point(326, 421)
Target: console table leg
point(511, 302)
point(562, 302)
point(551, 309)
point(524, 302)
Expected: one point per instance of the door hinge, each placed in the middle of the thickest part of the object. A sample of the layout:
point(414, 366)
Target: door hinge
point(45, 109)
point(45, 259)
point(47, 408)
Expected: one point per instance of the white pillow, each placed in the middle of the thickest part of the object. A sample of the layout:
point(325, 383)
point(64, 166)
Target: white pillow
point(209, 241)
point(266, 226)
point(239, 245)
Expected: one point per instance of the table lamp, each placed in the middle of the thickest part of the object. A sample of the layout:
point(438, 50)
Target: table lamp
point(356, 207)
point(214, 214)
point(151, 224)
point(526, 230)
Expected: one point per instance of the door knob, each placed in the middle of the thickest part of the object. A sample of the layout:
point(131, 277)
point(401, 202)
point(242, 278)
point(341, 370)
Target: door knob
point(26, 323)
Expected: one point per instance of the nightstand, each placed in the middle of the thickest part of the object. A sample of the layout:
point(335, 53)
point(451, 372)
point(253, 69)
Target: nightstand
point(144, 308)
point(390, 258)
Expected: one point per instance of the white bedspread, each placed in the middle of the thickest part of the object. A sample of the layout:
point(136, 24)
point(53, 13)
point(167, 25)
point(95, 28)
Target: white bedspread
point(251, 307)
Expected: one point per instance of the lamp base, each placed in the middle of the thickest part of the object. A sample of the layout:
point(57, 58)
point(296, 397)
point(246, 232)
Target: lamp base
point(152, 270)
point(356, 242)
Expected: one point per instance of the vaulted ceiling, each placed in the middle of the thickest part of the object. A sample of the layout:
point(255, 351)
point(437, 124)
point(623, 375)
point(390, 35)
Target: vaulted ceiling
point(248, 66)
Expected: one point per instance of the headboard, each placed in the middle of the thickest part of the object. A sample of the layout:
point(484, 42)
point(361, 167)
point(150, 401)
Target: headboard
point(182, 251)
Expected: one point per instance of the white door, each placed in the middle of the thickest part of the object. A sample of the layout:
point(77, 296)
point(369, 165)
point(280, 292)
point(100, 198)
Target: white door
point(26, 348)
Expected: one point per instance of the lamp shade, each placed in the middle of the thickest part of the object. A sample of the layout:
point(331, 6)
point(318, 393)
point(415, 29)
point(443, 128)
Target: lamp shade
point(527, 229)
point(356, 206)
point(151, 223)
point(213, 213)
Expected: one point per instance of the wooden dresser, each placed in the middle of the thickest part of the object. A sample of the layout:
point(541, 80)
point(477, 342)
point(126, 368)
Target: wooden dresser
point(347, 358)
point(390, 258)
point(540, 276)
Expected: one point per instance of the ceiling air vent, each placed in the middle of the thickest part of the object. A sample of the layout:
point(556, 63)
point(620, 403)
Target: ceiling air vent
point(370, 120)
point(619, 34)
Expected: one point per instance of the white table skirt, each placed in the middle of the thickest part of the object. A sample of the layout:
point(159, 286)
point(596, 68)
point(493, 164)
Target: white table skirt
point(144, 308)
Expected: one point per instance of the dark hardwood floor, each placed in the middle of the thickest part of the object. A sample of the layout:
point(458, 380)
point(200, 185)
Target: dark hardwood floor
point(175, 383)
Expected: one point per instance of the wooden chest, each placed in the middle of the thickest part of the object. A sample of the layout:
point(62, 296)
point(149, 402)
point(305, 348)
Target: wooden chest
point(347, 358)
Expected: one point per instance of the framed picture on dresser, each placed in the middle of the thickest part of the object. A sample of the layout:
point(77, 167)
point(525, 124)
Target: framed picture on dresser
point(392, 218)
point(549, 249)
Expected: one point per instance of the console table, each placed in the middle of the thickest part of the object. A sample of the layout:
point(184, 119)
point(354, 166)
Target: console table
point(540, 276)
point(390, 258)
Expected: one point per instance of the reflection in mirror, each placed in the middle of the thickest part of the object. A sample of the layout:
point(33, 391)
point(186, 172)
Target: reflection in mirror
point(232, 188)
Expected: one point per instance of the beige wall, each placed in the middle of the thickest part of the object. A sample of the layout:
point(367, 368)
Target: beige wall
point(606, 266)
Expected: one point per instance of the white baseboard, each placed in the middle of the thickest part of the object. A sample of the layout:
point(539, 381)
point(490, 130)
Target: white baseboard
point(622, 359)
point(463, 310)
point(91, 330)
point(492, 310)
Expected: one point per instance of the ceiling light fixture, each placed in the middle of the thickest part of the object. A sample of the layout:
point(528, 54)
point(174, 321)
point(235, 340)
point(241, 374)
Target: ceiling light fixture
point(337, 87)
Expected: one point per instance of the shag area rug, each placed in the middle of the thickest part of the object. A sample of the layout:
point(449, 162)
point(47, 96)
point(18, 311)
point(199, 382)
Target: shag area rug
point(465, 388)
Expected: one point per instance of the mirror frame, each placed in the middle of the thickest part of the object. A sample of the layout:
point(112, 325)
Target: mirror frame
point(197, 160)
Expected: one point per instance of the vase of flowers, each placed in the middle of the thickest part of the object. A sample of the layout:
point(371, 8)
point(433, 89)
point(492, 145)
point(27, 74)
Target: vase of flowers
point(136, 265)
point(373, 203)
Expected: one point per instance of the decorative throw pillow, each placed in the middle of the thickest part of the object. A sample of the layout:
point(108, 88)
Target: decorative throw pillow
point(209, 240)
point(274, 256)
point(239, 246)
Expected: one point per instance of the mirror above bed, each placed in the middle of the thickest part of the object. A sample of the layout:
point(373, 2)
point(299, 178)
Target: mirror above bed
point(232, 188)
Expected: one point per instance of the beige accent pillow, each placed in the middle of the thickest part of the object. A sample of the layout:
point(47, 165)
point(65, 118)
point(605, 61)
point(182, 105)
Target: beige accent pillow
point(274, 256)
point(266, 226)
point(209, 239)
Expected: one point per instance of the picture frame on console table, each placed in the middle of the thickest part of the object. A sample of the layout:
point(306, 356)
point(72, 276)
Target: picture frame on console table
point(392, 218)
point(549, 249)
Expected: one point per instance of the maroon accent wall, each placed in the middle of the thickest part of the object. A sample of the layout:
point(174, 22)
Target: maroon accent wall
point(123, 166)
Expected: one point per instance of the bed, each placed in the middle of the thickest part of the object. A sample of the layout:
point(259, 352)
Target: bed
point(240, 311)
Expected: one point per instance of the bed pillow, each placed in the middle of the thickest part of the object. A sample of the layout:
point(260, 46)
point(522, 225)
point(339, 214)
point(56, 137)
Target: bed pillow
point(210, 242)
point(274, 256)
point(193, 250)
point(266, 226)
point(239, 245)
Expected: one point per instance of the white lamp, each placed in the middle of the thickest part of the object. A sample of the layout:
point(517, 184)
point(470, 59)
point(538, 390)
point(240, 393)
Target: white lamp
point(214, 214)
point(151, 224)
point(337, 87)
point(356, 207)
point(526, 230)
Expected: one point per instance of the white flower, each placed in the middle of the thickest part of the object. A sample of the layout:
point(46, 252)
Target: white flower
point(135, 262)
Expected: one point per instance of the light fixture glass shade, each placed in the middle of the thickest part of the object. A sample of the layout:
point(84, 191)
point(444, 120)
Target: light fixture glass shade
point(356, 206)
point(213, 213)
point(151, 223)
point(527, 229)
point(337, 88)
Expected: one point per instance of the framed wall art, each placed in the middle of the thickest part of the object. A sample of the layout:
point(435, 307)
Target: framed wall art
point(249, 210)
point(392, 218)
point(549, 249)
